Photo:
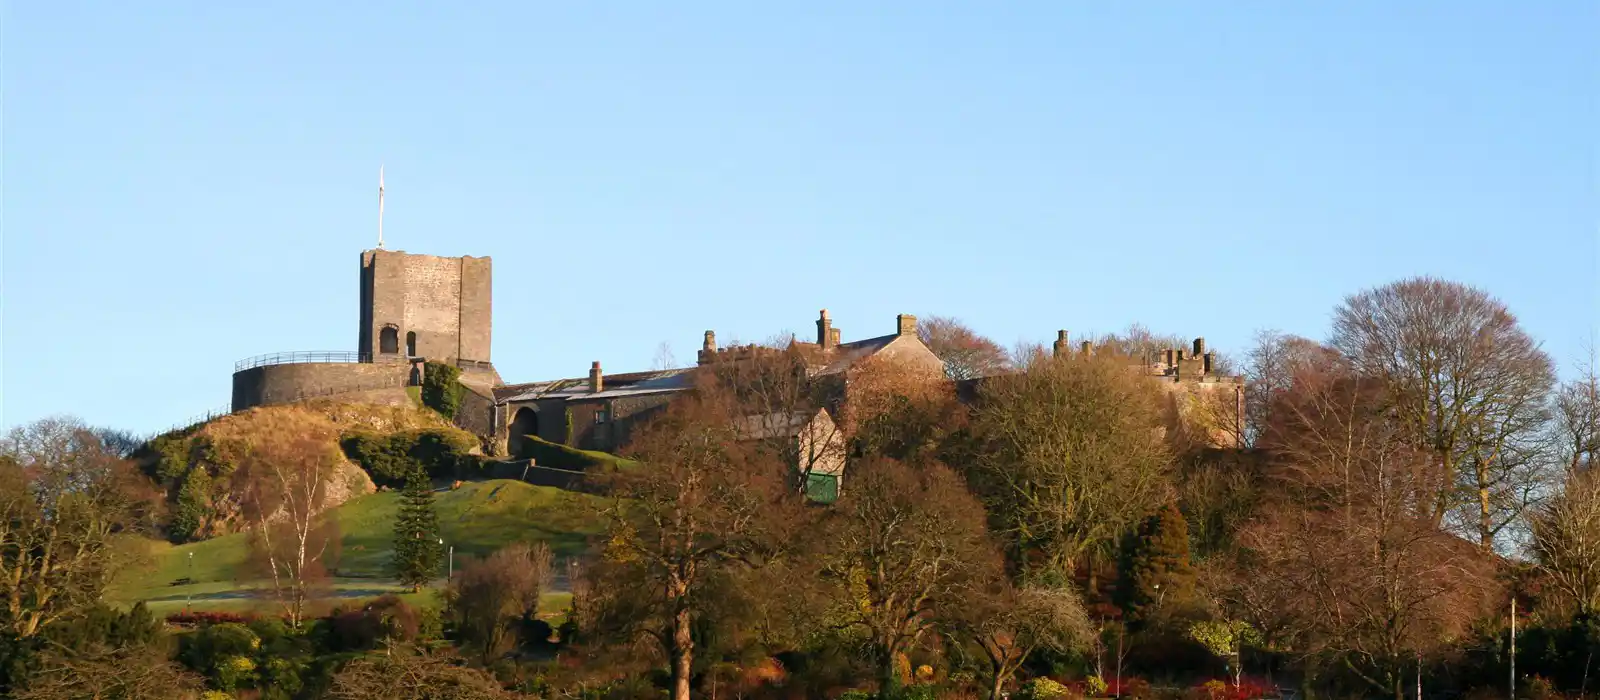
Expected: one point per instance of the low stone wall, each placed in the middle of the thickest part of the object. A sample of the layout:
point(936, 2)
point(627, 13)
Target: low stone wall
point(287, 383)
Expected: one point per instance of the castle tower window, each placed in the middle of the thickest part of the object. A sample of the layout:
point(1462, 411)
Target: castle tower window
point(389, 340)
point(411, 344)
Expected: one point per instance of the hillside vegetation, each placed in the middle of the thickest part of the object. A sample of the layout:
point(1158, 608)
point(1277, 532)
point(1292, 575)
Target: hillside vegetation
point(476, 519)
point(193, 467)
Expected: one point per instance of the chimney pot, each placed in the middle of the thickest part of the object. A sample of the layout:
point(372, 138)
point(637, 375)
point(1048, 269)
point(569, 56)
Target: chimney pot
point(1060, 347)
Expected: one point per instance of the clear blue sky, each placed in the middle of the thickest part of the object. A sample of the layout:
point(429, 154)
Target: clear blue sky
point(187, 184)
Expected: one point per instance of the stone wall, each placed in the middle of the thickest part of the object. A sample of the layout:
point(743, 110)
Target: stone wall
point(476, 412)
point(432, 303)
point(276, 384)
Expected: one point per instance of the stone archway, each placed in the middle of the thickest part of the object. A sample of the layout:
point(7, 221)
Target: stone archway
point(389, 340)
point(524, 423)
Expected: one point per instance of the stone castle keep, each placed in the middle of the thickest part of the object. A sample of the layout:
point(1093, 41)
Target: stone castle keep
point(416, 309)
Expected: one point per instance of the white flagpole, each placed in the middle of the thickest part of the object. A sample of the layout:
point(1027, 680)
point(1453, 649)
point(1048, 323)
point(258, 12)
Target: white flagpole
point(380, 206)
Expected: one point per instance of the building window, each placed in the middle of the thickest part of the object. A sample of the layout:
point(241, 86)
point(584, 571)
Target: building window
point(601, 416)
point(411, 344)
point(389, 340)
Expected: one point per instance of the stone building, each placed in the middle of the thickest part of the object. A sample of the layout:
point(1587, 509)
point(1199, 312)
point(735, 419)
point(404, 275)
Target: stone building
point(597, 412)
point(1192, 384)
point(420, 308)
point(414, 308)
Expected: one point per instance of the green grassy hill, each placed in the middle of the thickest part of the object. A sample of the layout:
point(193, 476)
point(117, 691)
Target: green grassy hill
point(477, 518)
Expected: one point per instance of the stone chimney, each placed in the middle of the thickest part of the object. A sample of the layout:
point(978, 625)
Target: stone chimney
point(1061, 346)
point(1199, 347)
point(826, 336)
point(708, 351)
point(1169, 357)
point(1205, 367)
point(905, 324)
point(596, 380)
point(1088, 348)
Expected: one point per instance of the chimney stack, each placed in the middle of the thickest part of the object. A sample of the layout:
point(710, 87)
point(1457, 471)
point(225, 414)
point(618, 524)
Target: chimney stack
point(708, 351)
point(1169, 356)
point(1061, 346)
point(1199, 347)
point(905, 324)
point(826, 336)
point(596, 381)
point(1205, 367)
point(1088, 349)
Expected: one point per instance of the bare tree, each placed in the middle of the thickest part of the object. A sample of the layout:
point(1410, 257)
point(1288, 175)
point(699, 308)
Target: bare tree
point(664, 358)
point(490, 599)
point(1011, 623)
point(1469, 384)
point(904, 545)
point(413, 675)
point(1347, 558)
point(66, 504)
point(283, 484)
point(1577, 422)
point(701, 499)
point(137, 674)
point(966, 354)
point(1271, 365)
point(772, 402)
point(1566, 538)
point(899, 410)
point(1072, 452)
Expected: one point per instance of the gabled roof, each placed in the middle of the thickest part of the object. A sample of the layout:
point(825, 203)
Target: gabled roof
point(615, 385)
point(846, 355)
point(772, 425)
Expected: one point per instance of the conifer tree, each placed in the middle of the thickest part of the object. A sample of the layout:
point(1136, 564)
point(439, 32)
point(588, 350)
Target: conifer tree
point(416, 533)
point(1155, 573)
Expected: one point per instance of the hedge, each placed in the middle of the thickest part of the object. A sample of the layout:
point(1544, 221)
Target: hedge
point(443, 453)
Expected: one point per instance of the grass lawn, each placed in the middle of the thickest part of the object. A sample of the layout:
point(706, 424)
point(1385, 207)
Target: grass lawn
point(477, 519)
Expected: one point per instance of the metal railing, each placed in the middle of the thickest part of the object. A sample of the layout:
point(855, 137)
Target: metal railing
point(302, 357)
point(190, 423)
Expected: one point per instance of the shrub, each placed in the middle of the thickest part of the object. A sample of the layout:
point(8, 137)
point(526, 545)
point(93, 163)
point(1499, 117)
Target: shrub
point(1043, 689)
point(235, 672)
point(444, 453)
point(549, 454)
point(202, 618)
point(1537, 688)
point(1094, 685)
point(440, 389)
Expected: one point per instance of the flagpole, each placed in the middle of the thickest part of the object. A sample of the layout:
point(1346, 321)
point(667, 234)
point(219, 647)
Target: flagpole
point(380, 206)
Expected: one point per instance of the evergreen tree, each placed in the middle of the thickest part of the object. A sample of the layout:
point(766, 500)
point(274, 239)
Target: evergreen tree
point(417, 552)
point(1155, 574)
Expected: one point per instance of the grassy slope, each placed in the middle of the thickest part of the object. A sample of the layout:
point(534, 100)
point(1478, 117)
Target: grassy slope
point(477, 518)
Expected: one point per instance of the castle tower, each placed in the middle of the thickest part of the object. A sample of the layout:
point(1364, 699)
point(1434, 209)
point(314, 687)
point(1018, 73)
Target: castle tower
point(424, 306)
